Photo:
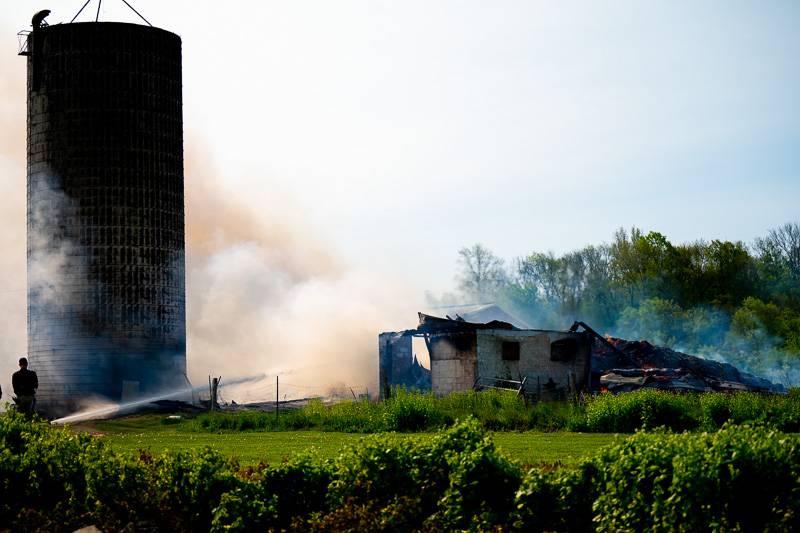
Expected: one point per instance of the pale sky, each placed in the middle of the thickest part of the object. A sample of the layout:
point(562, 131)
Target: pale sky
point(405, 130)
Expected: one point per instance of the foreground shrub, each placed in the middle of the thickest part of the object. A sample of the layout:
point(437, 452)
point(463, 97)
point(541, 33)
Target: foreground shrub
point(481, 490)
point(243, 509)
point(191, 484)
point(558, 500)
point(38, 464)
point(454, 480)
point(273, 497)
point(738, 478)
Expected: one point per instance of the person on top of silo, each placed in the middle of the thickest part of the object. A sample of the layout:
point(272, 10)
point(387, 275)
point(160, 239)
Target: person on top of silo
point(25, 384)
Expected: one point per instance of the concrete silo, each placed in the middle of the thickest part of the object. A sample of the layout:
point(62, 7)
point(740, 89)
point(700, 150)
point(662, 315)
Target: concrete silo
point(106, 289)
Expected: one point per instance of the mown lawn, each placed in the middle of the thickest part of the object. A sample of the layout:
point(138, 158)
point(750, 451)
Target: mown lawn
point(147, 432)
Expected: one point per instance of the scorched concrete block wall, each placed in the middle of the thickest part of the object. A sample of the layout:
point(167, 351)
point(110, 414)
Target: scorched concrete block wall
point(453, 362)
point(535, 358)
point(395, 356)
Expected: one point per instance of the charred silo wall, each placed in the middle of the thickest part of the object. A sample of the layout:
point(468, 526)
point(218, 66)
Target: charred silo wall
point(106, 297)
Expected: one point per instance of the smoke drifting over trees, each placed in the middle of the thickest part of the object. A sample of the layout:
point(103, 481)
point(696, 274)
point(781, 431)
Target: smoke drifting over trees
point(719, 299)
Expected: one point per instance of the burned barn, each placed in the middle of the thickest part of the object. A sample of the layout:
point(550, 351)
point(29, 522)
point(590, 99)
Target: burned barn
point(545, 364)
point(469, 355)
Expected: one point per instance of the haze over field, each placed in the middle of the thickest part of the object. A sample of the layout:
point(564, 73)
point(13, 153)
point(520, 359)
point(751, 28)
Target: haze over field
point(339, 154)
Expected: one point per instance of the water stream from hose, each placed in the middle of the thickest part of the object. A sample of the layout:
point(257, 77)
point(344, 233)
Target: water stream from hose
point(116, 409)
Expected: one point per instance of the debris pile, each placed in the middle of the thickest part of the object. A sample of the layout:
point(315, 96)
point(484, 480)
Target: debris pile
point(620, 365)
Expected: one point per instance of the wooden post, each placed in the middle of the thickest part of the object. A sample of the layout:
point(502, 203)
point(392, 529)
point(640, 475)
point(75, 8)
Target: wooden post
point(572, 378)
point(214, 390)
point(277, 398)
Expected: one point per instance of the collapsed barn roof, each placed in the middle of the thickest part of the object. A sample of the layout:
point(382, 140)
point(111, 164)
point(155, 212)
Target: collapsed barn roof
point(435, 324)
point(432, 325)
point(481, 314)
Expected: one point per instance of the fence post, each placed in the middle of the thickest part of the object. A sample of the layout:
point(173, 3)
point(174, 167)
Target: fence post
point(214, 389)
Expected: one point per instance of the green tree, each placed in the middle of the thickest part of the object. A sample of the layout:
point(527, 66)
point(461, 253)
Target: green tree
point(482, 274)
point(778, 264)
point(730, 273)
point(657, 320)
point(643, 266)
point(767, 323)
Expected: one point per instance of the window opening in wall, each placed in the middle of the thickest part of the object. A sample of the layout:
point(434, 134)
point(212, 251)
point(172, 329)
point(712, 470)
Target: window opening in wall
point(462, 341)
point(563, 349)
point(420, 349)
point(510, 351)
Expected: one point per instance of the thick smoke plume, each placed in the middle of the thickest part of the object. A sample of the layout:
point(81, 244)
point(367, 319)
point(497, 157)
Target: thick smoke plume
point(266, 295)
point(12, 207)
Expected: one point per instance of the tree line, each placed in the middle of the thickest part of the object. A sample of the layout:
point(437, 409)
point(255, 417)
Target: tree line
point(722, 299)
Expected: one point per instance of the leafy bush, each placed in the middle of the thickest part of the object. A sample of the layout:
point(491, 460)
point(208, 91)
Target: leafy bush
point(404, 486)
point(349, 416)
point(412, 412)
point(37, 465)
point(482, 487)
point(243, 509)
point(779, 412)
point(191, 484)
point(405, 411)
point(738, 478)
point(644, 409)
point(558, 500)
point(504, 411)
point(649, 409)
point(274, 496)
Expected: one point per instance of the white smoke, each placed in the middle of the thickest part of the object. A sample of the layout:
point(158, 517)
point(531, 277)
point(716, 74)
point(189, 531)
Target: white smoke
point(265, 296)
point(50, 257)
point(12, 230)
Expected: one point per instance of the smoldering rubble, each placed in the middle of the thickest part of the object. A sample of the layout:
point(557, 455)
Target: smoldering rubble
point(623, 365)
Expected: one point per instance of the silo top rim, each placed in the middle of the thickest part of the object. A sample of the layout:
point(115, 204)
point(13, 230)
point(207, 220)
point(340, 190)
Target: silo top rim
point(105, 24)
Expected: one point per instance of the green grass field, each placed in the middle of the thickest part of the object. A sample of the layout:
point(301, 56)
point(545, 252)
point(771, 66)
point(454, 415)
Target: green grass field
point(131, 434)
